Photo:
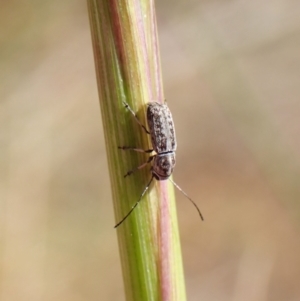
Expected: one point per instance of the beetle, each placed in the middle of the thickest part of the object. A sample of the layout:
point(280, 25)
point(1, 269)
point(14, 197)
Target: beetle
point(163, 138)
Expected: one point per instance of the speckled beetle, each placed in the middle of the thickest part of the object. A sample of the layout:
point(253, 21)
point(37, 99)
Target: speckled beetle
point(162, 132)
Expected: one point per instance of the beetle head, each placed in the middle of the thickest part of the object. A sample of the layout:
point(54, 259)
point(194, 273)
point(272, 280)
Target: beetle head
point(163, 166)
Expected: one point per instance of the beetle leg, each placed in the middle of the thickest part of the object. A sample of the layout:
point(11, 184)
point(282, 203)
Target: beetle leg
point(135, 117)
point(135, 149)
point(139, 167)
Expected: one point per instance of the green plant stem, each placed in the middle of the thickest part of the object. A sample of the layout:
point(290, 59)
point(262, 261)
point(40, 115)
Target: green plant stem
point(128, 69)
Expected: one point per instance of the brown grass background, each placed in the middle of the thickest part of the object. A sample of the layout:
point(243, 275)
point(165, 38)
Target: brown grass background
point(232, 80)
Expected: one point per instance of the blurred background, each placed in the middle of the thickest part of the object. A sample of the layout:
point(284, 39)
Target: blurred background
point(232, 80)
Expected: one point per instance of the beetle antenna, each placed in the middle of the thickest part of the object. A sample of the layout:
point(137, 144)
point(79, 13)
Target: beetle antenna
point(133, 207)
point(188, 198)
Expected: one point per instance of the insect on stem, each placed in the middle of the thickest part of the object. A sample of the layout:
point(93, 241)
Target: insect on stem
point(162, 132)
